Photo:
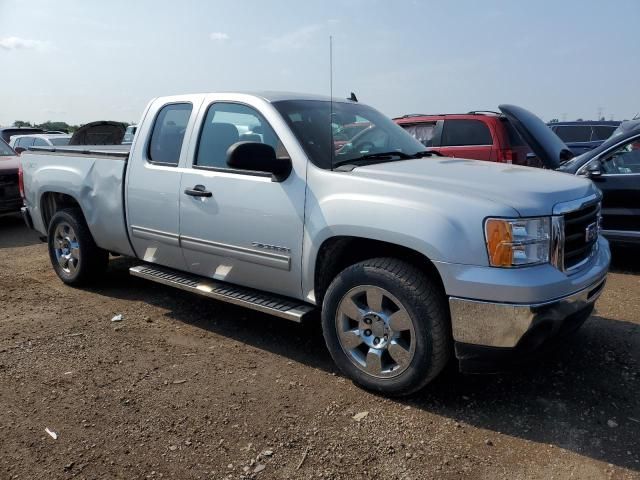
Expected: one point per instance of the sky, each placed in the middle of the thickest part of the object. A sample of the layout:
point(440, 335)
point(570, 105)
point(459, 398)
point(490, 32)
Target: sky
point(84, 60)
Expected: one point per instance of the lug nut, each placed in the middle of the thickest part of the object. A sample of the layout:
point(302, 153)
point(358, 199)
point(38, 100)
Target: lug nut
point(386, 337)
point(376, 340)
point(367, 321)
point(367, 332)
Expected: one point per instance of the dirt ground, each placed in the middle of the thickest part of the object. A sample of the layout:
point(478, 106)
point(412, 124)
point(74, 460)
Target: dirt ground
point(185, 387)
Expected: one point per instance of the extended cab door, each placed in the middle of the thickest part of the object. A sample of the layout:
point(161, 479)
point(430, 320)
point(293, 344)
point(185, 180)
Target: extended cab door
point(153, 181)
point(620, 185)
point(466, 138)
point(245, 228)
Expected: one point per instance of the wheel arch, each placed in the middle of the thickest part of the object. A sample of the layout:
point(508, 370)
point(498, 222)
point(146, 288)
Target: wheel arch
point(52, 202)
point(338, 252)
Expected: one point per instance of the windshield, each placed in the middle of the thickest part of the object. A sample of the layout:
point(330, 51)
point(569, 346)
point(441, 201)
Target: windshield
point(6, 150)
point(332, 135)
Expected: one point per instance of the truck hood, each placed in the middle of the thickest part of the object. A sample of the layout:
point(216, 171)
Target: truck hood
point(543, 141)
point(529, 191)
point(99, 133)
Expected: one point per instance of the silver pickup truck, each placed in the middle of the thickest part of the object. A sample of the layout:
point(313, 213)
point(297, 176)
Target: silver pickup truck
point(410, 257)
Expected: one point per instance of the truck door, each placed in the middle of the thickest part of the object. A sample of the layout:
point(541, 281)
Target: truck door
point(153, 183)
point(242, 227)
point(620, 185)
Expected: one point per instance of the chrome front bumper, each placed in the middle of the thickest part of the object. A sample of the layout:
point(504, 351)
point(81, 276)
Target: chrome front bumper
point(506, 325)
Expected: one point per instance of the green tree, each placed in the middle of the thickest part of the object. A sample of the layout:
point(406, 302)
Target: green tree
point(20, 123)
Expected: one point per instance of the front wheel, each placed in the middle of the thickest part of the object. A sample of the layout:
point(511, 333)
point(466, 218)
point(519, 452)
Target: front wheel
point(386, 326)
point(74, 255)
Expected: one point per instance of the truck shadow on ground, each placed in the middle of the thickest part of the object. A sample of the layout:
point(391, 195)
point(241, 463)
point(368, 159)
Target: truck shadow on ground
point(625, 259)
point(14, 233)
point(585, 397)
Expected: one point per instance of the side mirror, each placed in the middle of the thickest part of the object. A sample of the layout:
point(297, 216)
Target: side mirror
point(258, 157)
point(19, 150)
point(594, 170)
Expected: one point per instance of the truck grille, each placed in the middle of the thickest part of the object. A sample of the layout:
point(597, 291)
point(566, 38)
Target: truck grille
point(580, 234)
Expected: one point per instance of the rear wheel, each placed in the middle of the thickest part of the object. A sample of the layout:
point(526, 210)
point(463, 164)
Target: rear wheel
point(74, 255)
point(386, 326)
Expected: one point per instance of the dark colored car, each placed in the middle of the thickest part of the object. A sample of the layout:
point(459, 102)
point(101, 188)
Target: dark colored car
point(10, 199)
point(99, 133)
point(7, 132)
point(583, 136)
point(476, 135)
point(614, 167)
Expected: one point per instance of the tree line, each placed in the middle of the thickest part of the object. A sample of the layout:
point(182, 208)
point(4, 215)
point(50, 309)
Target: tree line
point(53, 126)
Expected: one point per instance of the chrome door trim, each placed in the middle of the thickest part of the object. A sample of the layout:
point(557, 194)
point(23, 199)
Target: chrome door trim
point(268, 259)
point(155, 235)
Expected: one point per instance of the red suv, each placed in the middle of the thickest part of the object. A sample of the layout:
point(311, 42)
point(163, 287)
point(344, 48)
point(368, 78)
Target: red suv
point(477, 135)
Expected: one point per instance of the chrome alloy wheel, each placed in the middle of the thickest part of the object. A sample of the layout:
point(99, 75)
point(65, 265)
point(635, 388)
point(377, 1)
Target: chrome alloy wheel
point(66, 248)
point(375, 331)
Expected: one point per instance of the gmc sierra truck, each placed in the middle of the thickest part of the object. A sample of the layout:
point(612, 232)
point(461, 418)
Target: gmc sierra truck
point(410, 257)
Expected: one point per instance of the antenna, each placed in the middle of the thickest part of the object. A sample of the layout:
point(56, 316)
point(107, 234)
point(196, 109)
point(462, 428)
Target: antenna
point(331, 151)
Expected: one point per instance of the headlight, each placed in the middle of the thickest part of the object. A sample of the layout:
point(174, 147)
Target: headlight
point(517, 242)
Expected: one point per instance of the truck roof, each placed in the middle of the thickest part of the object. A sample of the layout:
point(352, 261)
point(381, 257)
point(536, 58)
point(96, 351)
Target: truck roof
point(275, 96)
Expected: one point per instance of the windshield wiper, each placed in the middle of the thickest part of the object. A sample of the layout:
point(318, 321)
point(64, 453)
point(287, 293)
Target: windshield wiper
point(426, 153)
point(385, 156)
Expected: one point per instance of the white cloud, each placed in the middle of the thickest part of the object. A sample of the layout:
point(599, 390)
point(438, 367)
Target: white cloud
point(17, 43)
point(218, 36)
point(293, 40)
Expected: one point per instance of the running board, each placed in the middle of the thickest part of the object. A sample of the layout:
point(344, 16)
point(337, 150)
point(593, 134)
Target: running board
point(246, 297)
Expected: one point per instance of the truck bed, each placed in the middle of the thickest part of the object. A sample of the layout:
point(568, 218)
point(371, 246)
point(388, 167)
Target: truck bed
point(93, 176)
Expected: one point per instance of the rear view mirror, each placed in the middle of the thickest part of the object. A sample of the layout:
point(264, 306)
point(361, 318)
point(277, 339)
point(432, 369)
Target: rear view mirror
point(258, 157)
point(19, 150)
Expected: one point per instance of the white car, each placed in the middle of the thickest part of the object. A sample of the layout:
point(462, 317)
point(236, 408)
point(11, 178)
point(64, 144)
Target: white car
point(39, 140)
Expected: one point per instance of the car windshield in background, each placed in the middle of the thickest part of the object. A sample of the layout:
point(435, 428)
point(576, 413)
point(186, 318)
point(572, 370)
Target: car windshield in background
point(338, 133)
point(6, 150)
point(60, 141)
point(602, 132)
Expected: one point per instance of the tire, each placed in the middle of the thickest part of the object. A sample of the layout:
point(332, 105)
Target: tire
point(386, 325)
point(74, 255)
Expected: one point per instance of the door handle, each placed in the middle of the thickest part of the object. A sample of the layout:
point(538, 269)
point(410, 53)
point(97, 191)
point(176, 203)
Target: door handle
point(198, 191)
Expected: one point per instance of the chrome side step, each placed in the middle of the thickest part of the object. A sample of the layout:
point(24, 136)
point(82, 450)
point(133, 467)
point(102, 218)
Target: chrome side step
point(246, 297)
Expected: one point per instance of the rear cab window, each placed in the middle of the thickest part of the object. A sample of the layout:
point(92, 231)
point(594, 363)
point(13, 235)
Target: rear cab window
point(460, 132)
point(168, 133)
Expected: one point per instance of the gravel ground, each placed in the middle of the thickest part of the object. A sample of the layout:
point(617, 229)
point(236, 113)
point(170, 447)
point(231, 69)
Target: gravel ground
point(184, 387)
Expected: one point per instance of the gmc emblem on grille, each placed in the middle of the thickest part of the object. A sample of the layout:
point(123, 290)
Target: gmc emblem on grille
point(591, 232)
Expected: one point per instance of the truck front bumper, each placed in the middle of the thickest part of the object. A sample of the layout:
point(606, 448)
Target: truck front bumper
point(491, 334)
